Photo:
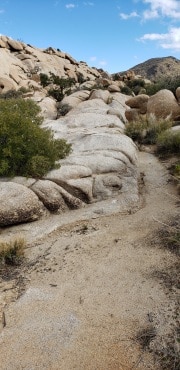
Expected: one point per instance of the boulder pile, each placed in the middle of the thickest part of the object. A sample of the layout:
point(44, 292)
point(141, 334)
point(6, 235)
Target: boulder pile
point(164, 104)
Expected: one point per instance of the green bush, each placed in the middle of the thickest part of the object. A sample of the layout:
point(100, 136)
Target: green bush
point(61, 83)
point(25, 148)
point(56, 94)
point(44, 79)
point(135, 85)
point(126, 90)
point(168, 143)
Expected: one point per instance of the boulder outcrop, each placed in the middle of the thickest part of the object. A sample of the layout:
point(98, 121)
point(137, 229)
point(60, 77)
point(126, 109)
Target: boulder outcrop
point(18, 204)
point(103, 162)
point(20, 62)
point(162, 105)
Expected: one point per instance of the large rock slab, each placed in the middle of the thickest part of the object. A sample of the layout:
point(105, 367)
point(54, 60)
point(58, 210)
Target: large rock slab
point(100, 150)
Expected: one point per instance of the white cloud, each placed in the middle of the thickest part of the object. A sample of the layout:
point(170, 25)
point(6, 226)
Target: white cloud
point(88, 3)
point(70, 6)
point(170, 40)
point(102, 63)
point(165, 8)
point(93, 59)
point(127, 16)
point(2, 11)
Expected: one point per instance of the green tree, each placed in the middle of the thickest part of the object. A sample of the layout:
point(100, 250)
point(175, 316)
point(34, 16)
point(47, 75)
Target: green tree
point(26, 149)
point(61, 84)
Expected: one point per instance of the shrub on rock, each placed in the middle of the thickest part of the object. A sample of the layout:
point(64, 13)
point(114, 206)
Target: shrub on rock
point(25, 148)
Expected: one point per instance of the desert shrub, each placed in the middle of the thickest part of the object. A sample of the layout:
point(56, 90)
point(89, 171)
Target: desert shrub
point(136, 85)
point(136, 130)
point(145, 132)
point(126, 90)
point(12, 253)
point(56, 94)
point(26, 149)
point(168, 143)
point(136, 82)
point(61, 84)
point(44, 79)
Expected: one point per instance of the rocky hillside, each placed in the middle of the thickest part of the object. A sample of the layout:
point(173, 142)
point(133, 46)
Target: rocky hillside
point(156, 68)
point(21, 64)
point(103, 163)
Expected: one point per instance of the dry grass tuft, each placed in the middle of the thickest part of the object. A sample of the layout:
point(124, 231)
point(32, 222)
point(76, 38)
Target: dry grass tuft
point(12, 253)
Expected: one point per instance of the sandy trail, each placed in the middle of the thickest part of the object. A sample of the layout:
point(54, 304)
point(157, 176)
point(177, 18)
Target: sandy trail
point(90, 289)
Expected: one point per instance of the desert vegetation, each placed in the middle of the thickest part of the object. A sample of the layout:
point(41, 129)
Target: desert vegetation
point(137, 86)
point(59, 85)
point(147, 131)
point(166, 143)
point(170, 82)
point(12, 252)
point(25, 148)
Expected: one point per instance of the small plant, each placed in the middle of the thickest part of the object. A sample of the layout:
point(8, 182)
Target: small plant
point(145, 336)
point(175, 170)
point(12, 253)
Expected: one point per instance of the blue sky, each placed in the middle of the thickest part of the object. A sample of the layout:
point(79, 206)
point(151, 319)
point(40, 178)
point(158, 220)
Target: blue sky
point(111, 34)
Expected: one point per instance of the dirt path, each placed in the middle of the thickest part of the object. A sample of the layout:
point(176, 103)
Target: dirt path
point(90, 288)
